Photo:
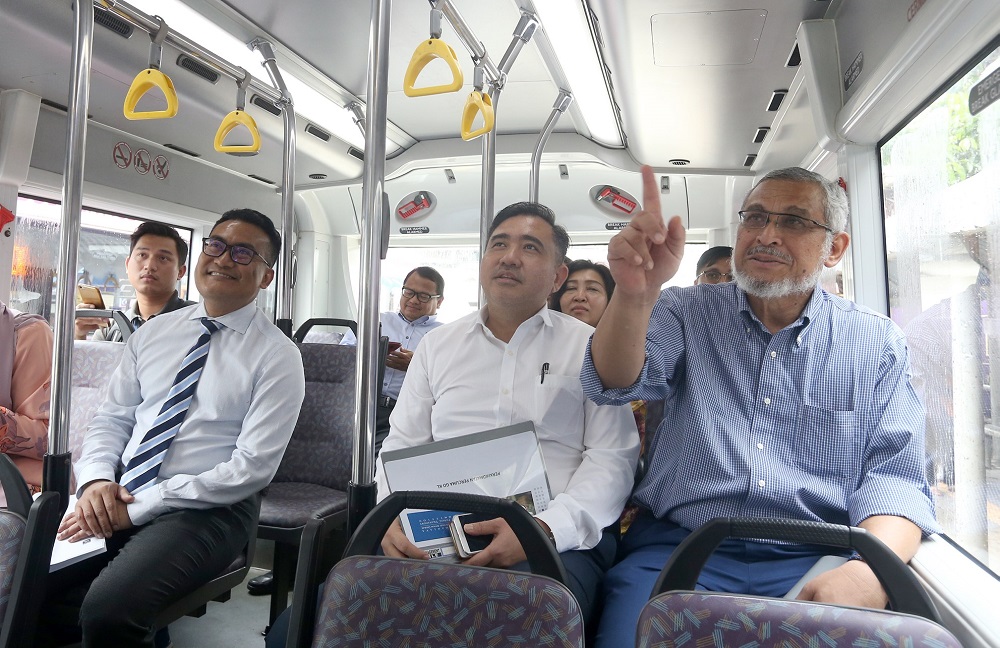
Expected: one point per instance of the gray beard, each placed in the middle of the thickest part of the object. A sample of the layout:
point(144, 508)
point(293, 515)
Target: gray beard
point(778, 290)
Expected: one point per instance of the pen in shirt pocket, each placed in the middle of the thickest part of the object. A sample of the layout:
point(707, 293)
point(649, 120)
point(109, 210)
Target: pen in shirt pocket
point(545, 370)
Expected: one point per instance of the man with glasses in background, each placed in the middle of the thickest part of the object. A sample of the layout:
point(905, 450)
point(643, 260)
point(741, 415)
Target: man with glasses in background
point(195, 424)
point(781, 401)
point(714, 266)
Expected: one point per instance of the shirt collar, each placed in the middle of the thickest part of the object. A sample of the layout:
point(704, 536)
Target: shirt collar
point(238, 320)
point(420, 321)
point(809, 313)
point(480, 322)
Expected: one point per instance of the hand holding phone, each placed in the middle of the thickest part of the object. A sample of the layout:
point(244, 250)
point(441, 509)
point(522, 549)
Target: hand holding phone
point(89, 295)
point(468, 545)
point(394, 345)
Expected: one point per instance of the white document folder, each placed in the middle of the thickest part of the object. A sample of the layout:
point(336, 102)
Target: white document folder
point(66, 553)
point(505, 462)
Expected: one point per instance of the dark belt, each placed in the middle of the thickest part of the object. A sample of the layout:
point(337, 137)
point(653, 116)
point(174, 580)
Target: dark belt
point(386, 401)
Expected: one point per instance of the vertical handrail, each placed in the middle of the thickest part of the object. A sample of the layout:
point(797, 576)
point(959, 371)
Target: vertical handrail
point(361, 494)
point(522, 34)
point(284, 315)
point(57, 459)
point(562, 103)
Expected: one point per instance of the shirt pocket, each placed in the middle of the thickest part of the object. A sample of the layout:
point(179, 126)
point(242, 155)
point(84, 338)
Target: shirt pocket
point(825, 442)
point(559, 407)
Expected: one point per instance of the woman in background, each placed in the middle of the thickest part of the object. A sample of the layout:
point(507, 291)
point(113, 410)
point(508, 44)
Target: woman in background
point(585, 293)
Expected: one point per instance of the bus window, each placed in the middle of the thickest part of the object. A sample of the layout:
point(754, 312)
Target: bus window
point(104, 246)
point(940, 180)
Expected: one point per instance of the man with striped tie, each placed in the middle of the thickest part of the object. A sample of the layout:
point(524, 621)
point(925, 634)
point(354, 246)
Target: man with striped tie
point(197, 418)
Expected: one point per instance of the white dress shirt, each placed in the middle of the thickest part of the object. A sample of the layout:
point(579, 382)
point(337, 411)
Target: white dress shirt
point(239, 422)
point(408, 334)
point(463, 379)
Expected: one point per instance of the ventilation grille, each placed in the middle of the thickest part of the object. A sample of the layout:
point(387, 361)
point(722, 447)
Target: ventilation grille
point(197, 68)
point(112, 21)
point(761, 134)
point(679, 162)
point(257, 177)
point(794, 59)
point(776, 98)
point(180, 149)
point(356, 153)
point(750, 160)
point(317, 132)
point(265, 104)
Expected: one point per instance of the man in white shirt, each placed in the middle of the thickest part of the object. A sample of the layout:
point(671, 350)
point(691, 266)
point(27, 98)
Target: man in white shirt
point(157, 260)
point(192, 516)
point(513, 361)
point(422, 294)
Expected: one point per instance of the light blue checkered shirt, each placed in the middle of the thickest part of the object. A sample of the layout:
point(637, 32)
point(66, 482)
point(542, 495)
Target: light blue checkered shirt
point(816, 422)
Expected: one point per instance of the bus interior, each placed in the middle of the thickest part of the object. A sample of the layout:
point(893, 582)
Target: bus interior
point(559, 101)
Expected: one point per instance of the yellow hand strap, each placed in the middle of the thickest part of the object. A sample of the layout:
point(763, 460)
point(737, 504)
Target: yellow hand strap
point(143, 83)
point(477, 102)
point(426, 52)
point(231, 121)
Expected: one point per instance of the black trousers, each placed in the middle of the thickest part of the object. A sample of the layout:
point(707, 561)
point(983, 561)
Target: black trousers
point(151, 567)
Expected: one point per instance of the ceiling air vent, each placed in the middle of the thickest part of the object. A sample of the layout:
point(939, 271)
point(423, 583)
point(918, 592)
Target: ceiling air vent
point(257, 177)
point(750, 160)
point(317, 176)
point(356, 153)
point(794, 59)
point(266, 104)
point(112, 21)
point(179, 149)
point(776, 98)
point(679, 162)
point(198, 68)
point(317, 132)
point(761, 134)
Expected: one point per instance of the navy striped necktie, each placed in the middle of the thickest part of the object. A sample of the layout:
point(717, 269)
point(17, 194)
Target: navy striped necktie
point(144, 466)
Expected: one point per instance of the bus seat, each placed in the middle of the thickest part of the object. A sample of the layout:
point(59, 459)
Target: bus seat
point(312, 479)
point(459, 605)
point(27, 532)
point(303, 331)
point(676, 611)
point(94, 362)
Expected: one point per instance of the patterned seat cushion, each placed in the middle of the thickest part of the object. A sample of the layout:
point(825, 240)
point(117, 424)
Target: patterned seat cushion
point(702, 618)
point(288, 505)
point(94, 363)
point(385, 601)
point(12, 528)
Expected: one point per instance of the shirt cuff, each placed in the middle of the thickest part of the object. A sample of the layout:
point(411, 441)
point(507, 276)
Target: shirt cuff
point(92, 473)
point(562, 527)
point(147, 505)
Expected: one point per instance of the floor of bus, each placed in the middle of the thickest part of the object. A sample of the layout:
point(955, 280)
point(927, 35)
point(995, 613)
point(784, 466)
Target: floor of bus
point(237, 623)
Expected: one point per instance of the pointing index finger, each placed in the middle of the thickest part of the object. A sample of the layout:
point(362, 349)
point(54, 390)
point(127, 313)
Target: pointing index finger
point(651, 200)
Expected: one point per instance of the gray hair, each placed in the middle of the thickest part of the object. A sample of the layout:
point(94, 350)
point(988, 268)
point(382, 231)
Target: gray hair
point(835, 206)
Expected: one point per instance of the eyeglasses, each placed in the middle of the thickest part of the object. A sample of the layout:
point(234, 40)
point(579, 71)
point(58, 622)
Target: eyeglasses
point(714, 276)
point(757, 219)
point(214, 247)
point(422, 297)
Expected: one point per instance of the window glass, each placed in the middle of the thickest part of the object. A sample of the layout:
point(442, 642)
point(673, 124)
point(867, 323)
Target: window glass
point(460, 268)
point(104, 246)
point(941, 191)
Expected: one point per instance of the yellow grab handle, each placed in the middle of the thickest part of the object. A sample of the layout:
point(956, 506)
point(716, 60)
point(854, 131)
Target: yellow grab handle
point(426, 52)
point(477, 102)
point(143, 83)
point(231, 121)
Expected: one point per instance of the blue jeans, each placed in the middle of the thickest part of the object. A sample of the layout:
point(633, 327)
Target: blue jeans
point(737, 566)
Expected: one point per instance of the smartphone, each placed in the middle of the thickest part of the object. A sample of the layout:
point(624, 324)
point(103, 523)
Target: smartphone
point(467, 545)
point(89, 295)
point(394, 345)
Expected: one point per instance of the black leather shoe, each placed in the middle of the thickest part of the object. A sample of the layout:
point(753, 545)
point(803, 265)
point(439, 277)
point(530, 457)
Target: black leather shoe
point(262, 585)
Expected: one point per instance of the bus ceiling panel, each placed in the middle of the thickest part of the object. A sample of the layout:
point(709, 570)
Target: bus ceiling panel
point(698, 82)
point(144, 169)
point(451, 197)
